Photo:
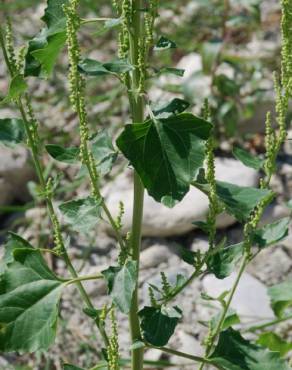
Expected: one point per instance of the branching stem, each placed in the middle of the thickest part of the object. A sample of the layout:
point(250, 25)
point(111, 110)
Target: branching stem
point(40, 173)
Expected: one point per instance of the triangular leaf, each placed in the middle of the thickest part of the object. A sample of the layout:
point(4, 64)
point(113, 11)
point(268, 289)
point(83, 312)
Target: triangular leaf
point(187, 255)
point(103, 152)
point(273, 342)
point(61, 154)
point(121, 284)
point(231, 319)
point(17, 87)
point(233, 352)
point(82, 214)
point(248, 159)
point(92, 67)
point(240, 200)
point(272, 233)
point(281, 297)
point(44, 48)
point(175, 106)
point(158, 324)
point(29, 299)
point(47, 55)
point(223, 262)
point(166, 153)
point(14, 242)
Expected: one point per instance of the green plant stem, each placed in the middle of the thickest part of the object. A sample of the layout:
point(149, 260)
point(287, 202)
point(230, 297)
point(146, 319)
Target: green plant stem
point(217, 330)
point(40, 173)
point(52, 214)
point(94, 20)
point(94, 183)
point(265, 325)
point(194, 275)
point(85, 278)
point(137, 109)
point(182, 354)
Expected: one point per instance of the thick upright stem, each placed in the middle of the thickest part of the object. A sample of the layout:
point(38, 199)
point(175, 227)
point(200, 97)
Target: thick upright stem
point(137, 107)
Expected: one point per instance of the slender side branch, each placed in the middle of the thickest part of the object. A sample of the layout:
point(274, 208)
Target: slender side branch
point(51, 211)
point(183, 355)
point(85, 278)
point(77, 87)
point(265, 325)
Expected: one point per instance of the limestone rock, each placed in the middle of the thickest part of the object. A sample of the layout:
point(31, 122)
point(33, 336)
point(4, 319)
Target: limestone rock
point(15, 172)
point(162, 221)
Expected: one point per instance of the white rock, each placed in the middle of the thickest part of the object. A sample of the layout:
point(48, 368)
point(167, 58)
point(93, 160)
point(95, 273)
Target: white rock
point(250, 299)
point(15, 172)
point(265, 266)
point(273, 213)
point(154, 256)
point(191, 64)
point(188, 344)
point(162, 221)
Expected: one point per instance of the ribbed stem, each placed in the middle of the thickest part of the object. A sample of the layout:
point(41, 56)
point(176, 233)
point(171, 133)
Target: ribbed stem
point(137, 108)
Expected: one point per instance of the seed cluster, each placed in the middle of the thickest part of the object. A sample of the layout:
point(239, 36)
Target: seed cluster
point(113, 347)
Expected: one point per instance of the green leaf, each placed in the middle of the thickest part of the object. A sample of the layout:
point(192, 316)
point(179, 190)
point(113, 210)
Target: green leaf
point(29, 299)
point(281, 297)
point(11, 131)
point(13, 242)
point(17, 87)
point(231, 319)
point(248, 159)
point(48, 55)
point(272, 233)
point(92, 67)
point(226, 86)
point(274, 343)
point(223, 262)
point(175, 106)
point(61, 154)
point(233, 352)
point(164, 44)
point(187, 255)
point(240, 201)
point(158, 324)
point(121, 284)
point(45, 47)
point(82, 214)
point(166, 153)
point(103, 152)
